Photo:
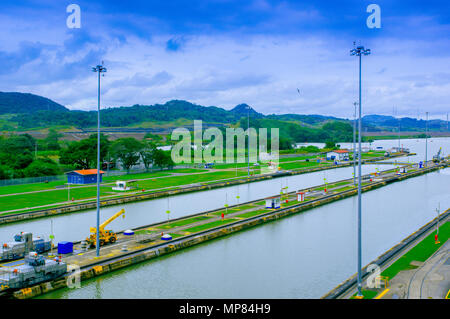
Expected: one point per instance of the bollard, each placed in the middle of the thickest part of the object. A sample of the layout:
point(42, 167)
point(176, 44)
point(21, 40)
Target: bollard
point(84, 245)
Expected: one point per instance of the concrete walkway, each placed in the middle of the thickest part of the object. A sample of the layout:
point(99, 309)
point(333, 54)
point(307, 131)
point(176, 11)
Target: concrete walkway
point(430, 281)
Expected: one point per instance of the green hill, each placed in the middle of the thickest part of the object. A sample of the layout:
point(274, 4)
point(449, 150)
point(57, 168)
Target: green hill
point(15, 102)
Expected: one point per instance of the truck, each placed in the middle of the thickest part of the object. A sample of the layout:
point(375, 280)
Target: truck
point(23, 243)
point(106, 236)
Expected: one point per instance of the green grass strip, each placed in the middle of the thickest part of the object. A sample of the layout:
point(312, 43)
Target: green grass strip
point(253, 213)
point(183, 222)
point(421, 252)
point(368, 294)
point(209, 225)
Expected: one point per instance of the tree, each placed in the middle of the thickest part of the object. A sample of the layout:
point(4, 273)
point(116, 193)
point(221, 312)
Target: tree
point(42, 167)
point(127, 151)
point(147, 153)
point(163, 159)
point(51, 141)
point(83, 154)
point(4, 174)
point(330, 144)
point(285, 144)
point(16, 151)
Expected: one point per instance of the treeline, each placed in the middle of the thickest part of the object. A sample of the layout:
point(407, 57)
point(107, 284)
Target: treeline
point(125, 116)
point(127, 151)
point(19, 155)
point(291, 132)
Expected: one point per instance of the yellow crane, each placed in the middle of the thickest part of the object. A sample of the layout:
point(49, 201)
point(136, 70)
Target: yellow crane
point(106, 236)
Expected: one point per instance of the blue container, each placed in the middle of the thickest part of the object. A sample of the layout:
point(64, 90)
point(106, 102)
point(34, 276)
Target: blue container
point(65, 247)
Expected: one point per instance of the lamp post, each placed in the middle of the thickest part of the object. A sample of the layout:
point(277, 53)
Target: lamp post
point(354, 144)
point(426, 139)
point(248, 141)
point(359, 52)
point(100, 69)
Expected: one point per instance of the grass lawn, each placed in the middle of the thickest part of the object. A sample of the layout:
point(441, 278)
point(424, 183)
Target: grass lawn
point(254, 213)
point(368, 294)
point(290, 203)
point(12, 189)
point(263, 202)
point(232, 165)
point(209, 225)
point(24, 188)
point(300, 165)
point(183, 222)
point(421, 252)
point(329, 186)
point(343, 189)
point(57, 196)
point(297, 158)
point(227, 211)
point(60, 195)
point(176, 235)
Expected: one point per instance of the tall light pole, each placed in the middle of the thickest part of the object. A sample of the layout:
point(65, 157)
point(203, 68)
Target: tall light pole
point(248, 140)
point(100, 69)
point(354, 143)
point(359, 52)
point(426, 139)
point(399, 134)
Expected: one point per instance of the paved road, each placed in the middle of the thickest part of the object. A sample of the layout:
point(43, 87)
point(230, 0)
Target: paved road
point(430, 281)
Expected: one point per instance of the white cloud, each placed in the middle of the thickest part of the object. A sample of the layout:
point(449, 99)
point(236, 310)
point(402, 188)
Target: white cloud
point(263, 71)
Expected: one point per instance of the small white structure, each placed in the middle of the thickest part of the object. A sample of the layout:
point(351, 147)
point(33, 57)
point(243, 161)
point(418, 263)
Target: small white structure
point(339, 155)
point(300, 196)
point(121, 186)
point(273, 202)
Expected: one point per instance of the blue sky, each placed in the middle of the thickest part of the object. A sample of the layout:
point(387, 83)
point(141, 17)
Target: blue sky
point(227, 52)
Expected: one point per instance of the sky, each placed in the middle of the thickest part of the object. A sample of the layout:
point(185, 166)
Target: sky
point(228, 52)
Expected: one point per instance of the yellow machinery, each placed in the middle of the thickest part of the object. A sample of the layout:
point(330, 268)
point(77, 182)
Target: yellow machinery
point(106, 236)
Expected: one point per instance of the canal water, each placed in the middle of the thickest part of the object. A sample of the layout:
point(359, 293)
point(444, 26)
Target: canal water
point(75, 226)
point(415, 145)
point(302, 256)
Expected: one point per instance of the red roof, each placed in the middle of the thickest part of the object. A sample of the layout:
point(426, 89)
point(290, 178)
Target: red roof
point(341, 151)
point(88, 171)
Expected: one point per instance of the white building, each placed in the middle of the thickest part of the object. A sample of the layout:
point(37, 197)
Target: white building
point(338, 155)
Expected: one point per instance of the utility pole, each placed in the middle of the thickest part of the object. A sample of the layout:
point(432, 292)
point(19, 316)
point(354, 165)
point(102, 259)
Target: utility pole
point(399, 134)
point(426, 139)
point(354, 144)
point(437, 222)
point(100, 69)
point(359, 52)
point(248, 140)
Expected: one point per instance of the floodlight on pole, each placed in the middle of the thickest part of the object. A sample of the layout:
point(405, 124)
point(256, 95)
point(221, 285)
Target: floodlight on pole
point(100, 69)
point(426, 139)
point(359, 52)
